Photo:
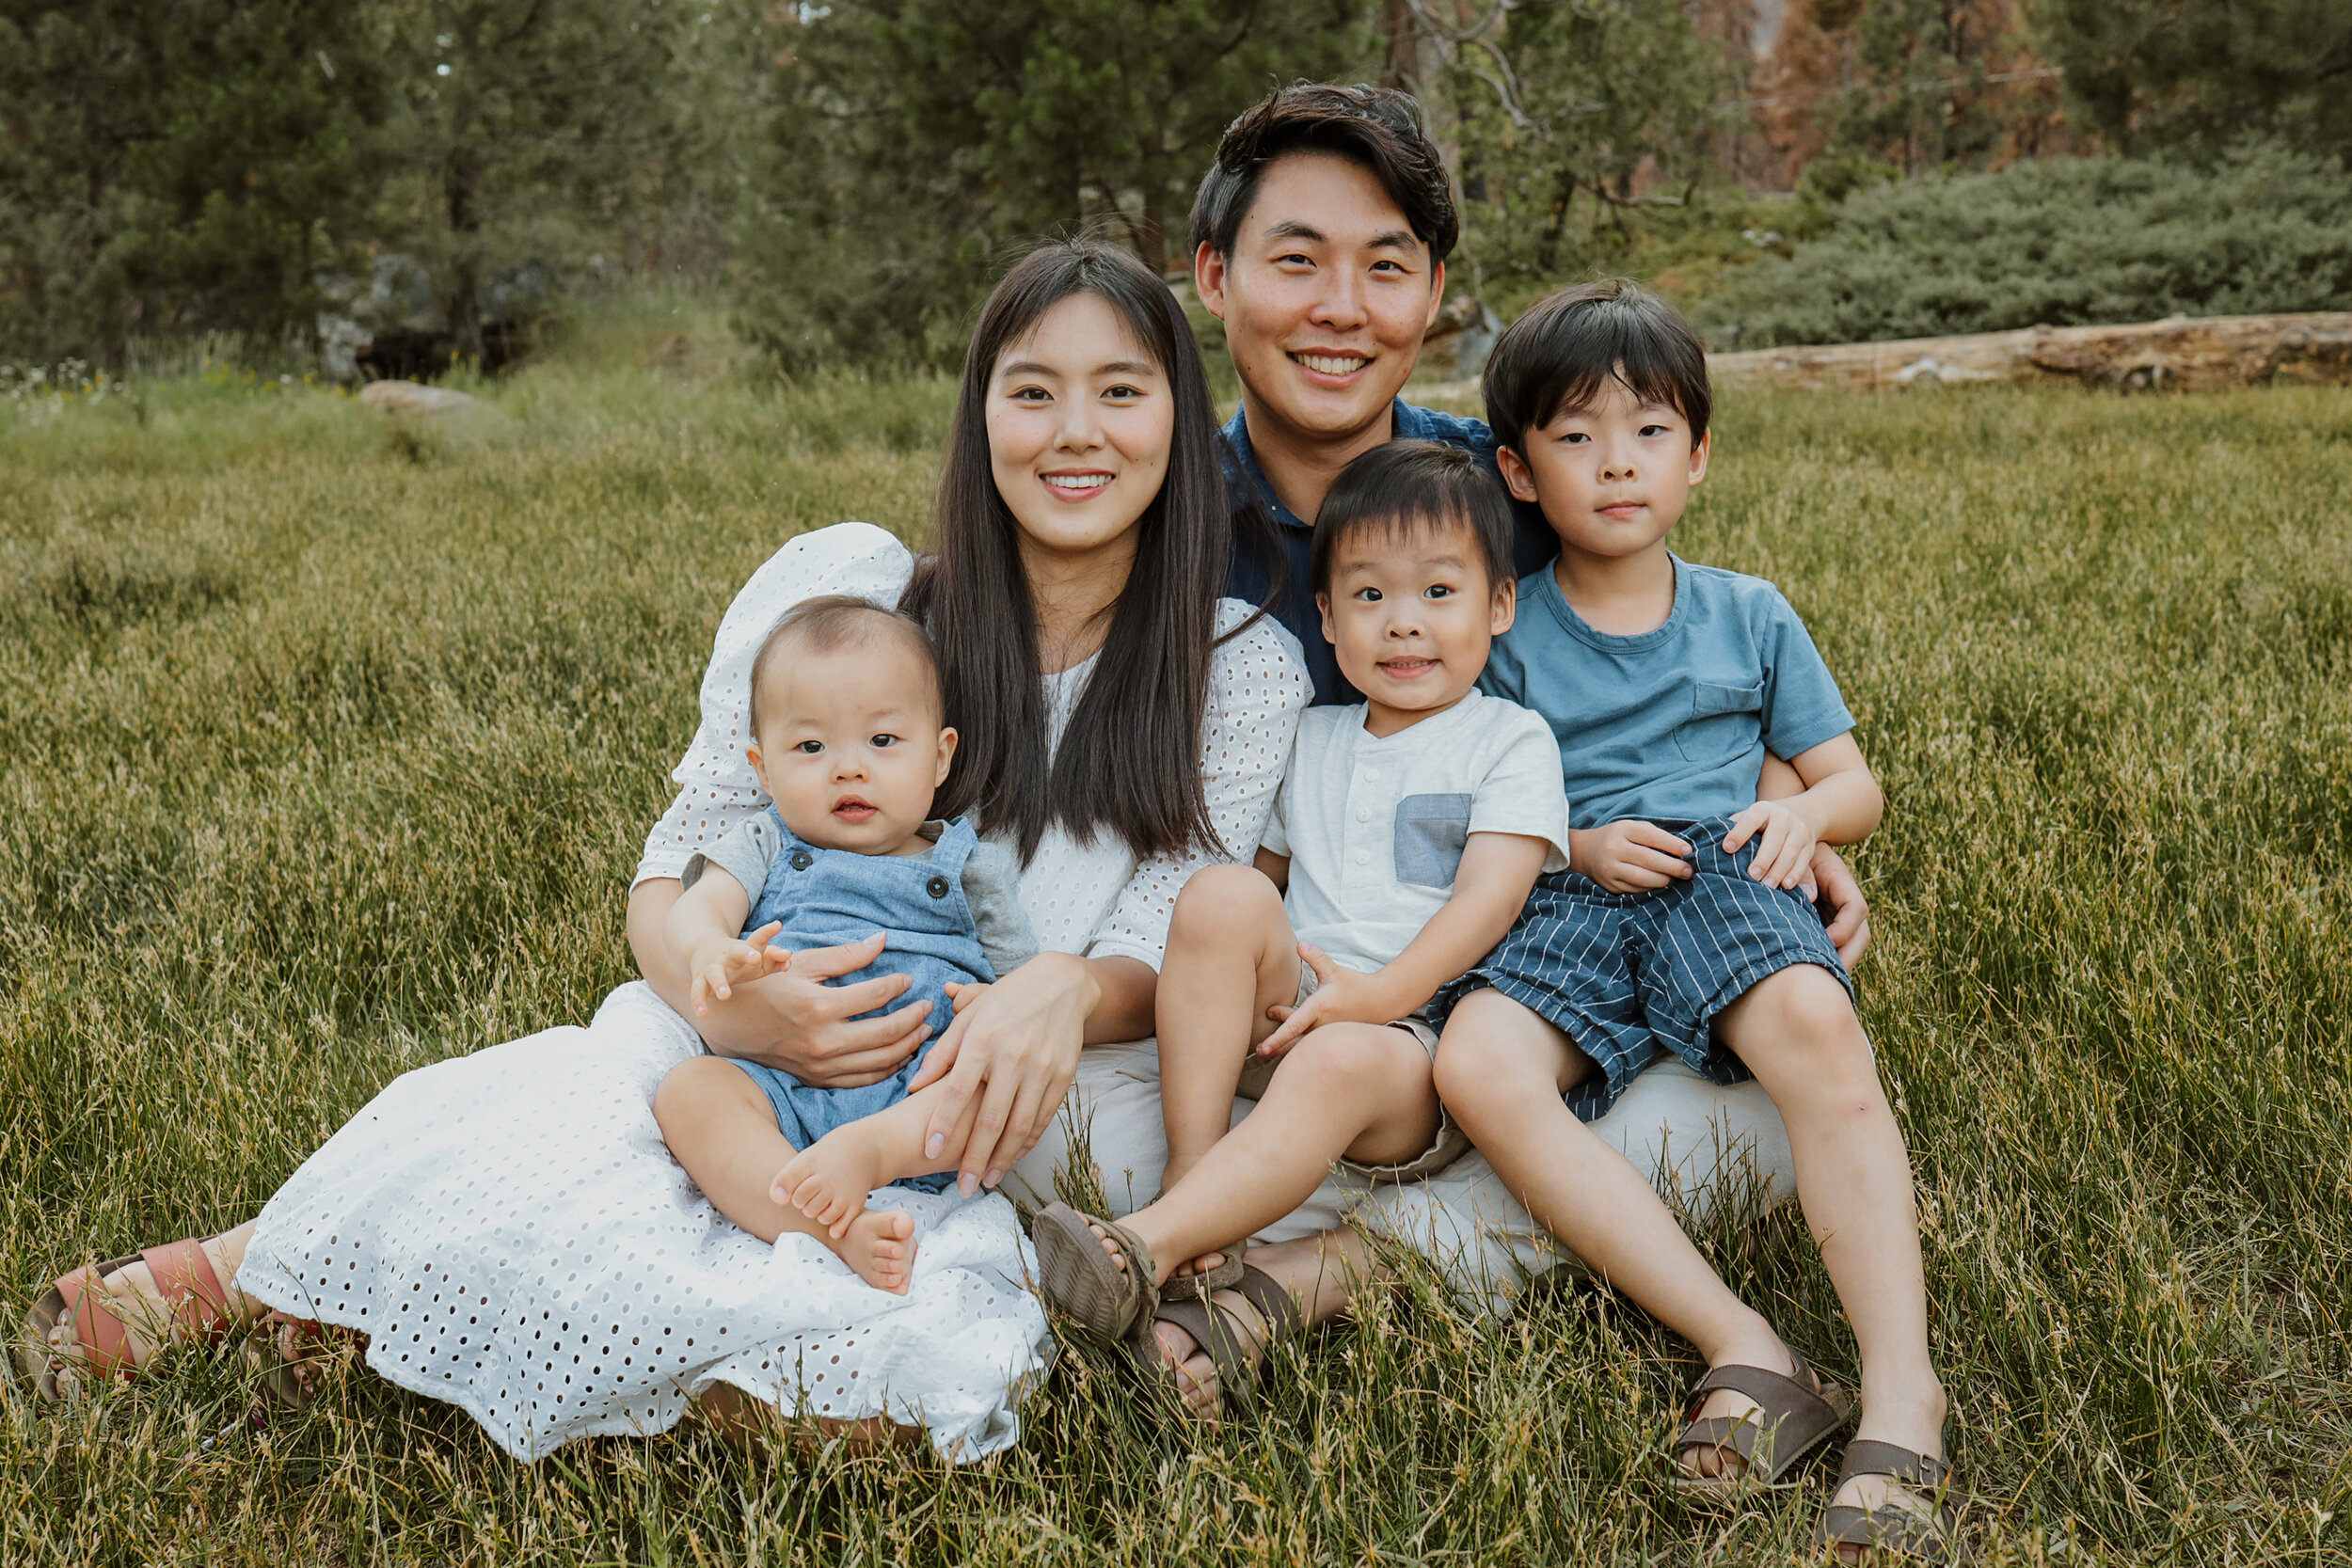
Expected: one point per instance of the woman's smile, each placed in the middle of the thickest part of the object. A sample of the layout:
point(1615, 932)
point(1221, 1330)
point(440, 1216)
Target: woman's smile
point(1077, 484)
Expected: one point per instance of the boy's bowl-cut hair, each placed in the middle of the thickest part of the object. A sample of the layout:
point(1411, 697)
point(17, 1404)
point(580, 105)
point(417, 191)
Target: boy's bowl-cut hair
point(1378, 129)
point(1568, 345)
point(1401, 488)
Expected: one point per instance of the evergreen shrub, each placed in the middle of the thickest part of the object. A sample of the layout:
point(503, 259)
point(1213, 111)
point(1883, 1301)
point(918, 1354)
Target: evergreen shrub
point(2064, 241)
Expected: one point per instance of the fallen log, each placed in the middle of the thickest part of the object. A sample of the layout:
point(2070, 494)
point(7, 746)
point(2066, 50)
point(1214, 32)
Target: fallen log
point(2179, 353)
point(2182, 353)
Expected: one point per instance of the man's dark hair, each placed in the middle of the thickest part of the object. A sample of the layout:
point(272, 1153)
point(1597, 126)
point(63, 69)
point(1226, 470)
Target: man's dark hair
point(1376, 128)
point(1568, 345)
point(1403, 488)
point(831, 622)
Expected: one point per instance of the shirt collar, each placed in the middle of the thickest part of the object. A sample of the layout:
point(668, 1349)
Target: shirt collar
point(1241, 459)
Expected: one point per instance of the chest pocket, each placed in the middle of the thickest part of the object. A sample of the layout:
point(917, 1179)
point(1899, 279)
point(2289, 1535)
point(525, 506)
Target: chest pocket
point(1723, 723)
point(1431, 830)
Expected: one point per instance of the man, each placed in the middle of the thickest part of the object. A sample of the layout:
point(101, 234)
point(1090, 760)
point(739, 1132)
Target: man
point(1320, 239)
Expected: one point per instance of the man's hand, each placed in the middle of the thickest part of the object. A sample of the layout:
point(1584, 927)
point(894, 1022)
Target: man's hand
point(1629, 856)
point(1849, 922)
point(719, 967)
point(1342, 995)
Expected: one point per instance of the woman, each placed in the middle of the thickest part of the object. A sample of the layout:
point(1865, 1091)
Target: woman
point(507, 1229)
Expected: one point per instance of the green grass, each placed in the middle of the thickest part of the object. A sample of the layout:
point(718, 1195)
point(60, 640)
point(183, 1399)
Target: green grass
point(327, 742)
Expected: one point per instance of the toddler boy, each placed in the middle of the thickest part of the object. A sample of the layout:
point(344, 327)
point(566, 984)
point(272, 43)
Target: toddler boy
point(1407, 833)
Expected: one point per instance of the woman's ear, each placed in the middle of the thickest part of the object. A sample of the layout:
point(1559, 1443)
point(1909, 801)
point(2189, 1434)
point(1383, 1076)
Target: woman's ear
point(1506, 609)
point(948, 739)
point(1517, 477)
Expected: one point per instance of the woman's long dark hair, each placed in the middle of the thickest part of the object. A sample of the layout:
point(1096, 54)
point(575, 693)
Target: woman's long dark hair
point(1130, 760)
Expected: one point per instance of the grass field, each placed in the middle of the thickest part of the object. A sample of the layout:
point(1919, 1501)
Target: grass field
point(328, 743)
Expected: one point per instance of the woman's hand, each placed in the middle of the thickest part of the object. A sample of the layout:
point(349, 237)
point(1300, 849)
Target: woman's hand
point(791, 1021)
point(1016, 1047)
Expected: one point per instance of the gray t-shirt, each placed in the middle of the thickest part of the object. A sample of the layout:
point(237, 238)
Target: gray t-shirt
point(991, 883)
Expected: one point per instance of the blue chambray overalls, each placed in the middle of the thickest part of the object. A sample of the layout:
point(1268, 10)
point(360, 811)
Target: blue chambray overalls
point(830, 897)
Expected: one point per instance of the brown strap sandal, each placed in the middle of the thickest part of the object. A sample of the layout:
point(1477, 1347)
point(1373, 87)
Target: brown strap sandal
point(183, 1275)
point(1890, 1528)
point(1220, 1332)
point(1079, 1279)
point(1795, 1413)
point(1193, 1287)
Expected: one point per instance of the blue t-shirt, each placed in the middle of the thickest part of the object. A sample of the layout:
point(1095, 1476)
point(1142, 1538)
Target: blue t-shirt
point(1532, 543)
point(1671, 725)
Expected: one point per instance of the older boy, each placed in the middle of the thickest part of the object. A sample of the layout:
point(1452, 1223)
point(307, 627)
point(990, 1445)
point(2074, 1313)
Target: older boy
point(1680, 928)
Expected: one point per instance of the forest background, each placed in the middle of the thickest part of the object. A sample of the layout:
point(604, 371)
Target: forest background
point(391, 186)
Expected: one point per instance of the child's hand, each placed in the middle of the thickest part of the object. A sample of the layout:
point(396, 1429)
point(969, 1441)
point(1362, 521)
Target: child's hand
point(1342, 996)
point(719, 967)
point(1629, 856)
point(963, 994)
point(1784, 842)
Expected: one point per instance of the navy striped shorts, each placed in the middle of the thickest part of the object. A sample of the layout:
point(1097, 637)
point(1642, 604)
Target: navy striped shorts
point(1623, 975)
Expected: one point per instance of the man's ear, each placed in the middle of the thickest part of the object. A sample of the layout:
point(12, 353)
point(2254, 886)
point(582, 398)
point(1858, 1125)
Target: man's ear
point(948, 739)
point(1517, 477)
point(1208, 279)
point(1698, 456)
point(1436, 295)
point(1323, 608)
point(1506, 609)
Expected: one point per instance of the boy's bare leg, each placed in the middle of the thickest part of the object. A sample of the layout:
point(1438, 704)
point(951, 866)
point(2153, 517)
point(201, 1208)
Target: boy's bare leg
point(1231, 955)
point(1360, 1091)
point(722, 1129)
point(1797, 1032)
point(1502, 1070)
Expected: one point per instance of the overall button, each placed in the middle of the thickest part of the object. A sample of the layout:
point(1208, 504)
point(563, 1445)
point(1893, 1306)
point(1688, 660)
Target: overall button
point(936, 887)
point(801, 860)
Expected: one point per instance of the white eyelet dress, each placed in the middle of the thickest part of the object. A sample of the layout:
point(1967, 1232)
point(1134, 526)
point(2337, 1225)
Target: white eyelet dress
point(511, 1234)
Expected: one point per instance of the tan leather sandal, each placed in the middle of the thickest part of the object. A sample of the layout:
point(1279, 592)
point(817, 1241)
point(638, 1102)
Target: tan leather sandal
point(193, 1301)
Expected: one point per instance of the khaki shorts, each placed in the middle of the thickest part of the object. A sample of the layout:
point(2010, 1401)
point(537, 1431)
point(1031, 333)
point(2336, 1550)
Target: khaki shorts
point(1446, 1146)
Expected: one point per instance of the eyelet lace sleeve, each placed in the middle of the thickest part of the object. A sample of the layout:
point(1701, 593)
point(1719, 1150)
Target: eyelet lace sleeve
point(717, 788)
point(1257, 687)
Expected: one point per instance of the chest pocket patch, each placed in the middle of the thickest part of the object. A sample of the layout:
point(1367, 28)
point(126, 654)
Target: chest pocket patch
point(1721, 724)
point(1431, 830)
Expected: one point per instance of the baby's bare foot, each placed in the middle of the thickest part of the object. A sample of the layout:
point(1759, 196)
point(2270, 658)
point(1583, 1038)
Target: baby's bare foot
point(880, 1244)
point(829, 1180)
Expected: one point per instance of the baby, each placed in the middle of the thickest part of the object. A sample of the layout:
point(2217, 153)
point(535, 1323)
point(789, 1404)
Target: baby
point(1407, 833)
point(849, 744)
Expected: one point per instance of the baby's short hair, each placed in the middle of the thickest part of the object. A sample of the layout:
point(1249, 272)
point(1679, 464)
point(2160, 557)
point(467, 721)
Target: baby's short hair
point(1568, 345)
point(1400, 489)
point(831, 622)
